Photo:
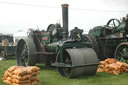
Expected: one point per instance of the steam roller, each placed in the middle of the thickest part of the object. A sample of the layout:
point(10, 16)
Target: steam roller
point(71, 54)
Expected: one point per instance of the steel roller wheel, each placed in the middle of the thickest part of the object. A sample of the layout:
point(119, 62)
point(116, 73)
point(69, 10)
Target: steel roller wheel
point(25, 52)
point(121, 52)
point(84, 61)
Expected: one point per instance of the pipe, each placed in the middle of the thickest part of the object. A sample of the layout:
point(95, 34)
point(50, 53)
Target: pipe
point(65, 20)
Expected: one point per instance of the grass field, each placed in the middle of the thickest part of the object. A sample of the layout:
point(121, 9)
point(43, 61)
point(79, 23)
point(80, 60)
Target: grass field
point(49, 76)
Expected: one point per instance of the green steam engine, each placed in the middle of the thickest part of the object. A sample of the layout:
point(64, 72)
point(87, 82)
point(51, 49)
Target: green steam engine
point(72, 55)
point(111, 40)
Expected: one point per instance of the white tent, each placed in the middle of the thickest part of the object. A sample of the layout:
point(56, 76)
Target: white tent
point(18, 35)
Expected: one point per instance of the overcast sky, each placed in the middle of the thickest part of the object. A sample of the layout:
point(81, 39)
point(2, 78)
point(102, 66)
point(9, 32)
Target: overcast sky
point(23, 14)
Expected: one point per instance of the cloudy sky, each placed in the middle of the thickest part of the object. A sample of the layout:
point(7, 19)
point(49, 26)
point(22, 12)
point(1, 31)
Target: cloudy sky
point(23, 14)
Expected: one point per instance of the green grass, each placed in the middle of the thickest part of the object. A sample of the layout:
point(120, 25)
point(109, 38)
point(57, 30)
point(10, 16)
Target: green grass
point(50, 76)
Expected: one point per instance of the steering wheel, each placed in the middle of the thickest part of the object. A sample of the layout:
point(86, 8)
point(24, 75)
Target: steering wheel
point(113, 23)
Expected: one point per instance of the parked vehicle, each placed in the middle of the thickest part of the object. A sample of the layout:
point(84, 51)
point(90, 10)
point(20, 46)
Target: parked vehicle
point(111, 40)
point(72, 55)
point(7, 47)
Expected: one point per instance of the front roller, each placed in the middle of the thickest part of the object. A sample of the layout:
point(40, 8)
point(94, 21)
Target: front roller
point(77, 62)
point(25, 52)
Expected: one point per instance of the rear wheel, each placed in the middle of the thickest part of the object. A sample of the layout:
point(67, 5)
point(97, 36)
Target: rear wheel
point(121, 52)
point(25, 52)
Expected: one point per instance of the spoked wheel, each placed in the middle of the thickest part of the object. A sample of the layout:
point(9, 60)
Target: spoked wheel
point(23, 55)
point(25, 52)
point(77, 62)
point(121, 52)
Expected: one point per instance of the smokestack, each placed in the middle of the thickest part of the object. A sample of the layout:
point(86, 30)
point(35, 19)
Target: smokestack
point(65, 20)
